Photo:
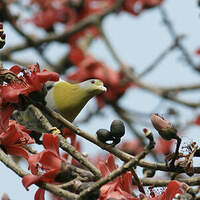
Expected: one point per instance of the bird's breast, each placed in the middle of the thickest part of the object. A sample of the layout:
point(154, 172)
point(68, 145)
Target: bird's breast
point(68, 100)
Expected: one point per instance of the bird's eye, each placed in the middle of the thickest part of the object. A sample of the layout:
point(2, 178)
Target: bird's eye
point(93, 81)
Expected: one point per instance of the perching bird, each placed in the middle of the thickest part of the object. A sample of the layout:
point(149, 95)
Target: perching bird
point(65, 98)
point(69, 99)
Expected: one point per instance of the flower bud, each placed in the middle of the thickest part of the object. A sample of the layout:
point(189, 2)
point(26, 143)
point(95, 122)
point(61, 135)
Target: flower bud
point(5, 197)
point(104, 135)
point(117, 128)
point(165, 129)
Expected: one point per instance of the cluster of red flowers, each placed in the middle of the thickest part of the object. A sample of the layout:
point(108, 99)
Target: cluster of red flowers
point(30, 81)
point(49, 161)
point(15, 139)
point(70, 12)
point(121, 187)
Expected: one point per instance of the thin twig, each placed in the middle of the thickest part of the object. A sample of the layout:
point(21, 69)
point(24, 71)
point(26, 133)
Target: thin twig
point(174, 36)
point(158, 59)
point(78, 156)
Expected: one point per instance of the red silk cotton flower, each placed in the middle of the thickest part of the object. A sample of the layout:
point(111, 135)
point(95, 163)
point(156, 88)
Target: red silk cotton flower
point(89, 67)
point(15, 139)
point(135, 7)
point(30, 81)
point(119, 188)
point(173, 189)
point(48, 161)
point(69, 13)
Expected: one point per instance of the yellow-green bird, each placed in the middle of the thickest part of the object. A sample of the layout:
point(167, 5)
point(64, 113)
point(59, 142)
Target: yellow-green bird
point(69, 99)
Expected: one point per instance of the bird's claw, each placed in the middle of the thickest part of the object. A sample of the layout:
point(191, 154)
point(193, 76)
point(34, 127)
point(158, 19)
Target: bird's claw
point(55, 131)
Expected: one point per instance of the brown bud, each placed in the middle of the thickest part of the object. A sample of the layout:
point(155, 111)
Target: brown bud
point(166, 130)
point(5, 197)
point(104, 135)
point(117, 128)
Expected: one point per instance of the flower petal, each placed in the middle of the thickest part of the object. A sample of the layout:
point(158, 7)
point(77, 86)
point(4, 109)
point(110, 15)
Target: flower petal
point(30, 179)
point(51, 142)
point(39, 195)
point(18, 151)
point(16, 69)
point(5, 113)
point(111, 163)
point(49, 160)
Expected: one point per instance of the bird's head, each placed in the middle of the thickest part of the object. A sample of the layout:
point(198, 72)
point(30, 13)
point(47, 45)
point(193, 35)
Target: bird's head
point(93, 86)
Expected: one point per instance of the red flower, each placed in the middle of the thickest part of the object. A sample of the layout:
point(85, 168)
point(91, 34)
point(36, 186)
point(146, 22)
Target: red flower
point(91, 68)
point(31, 80)
point(48, 160)
point(69, 15)
point(76, 54)
point(90, 7)
point(135, 7)
point(197, 51)
point(173, 188)
point(51, 15)
point(5, 112)
point(47, 18)
point(120, 188)
point(197, 120)
point(55, 11)
point(15, 138)
point(67, 133)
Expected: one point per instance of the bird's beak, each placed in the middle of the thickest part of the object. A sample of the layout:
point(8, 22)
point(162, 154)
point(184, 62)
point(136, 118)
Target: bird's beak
point(102, 88)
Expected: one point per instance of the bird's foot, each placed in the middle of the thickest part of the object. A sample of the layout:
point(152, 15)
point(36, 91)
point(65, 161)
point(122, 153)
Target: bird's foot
point(55, 131)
